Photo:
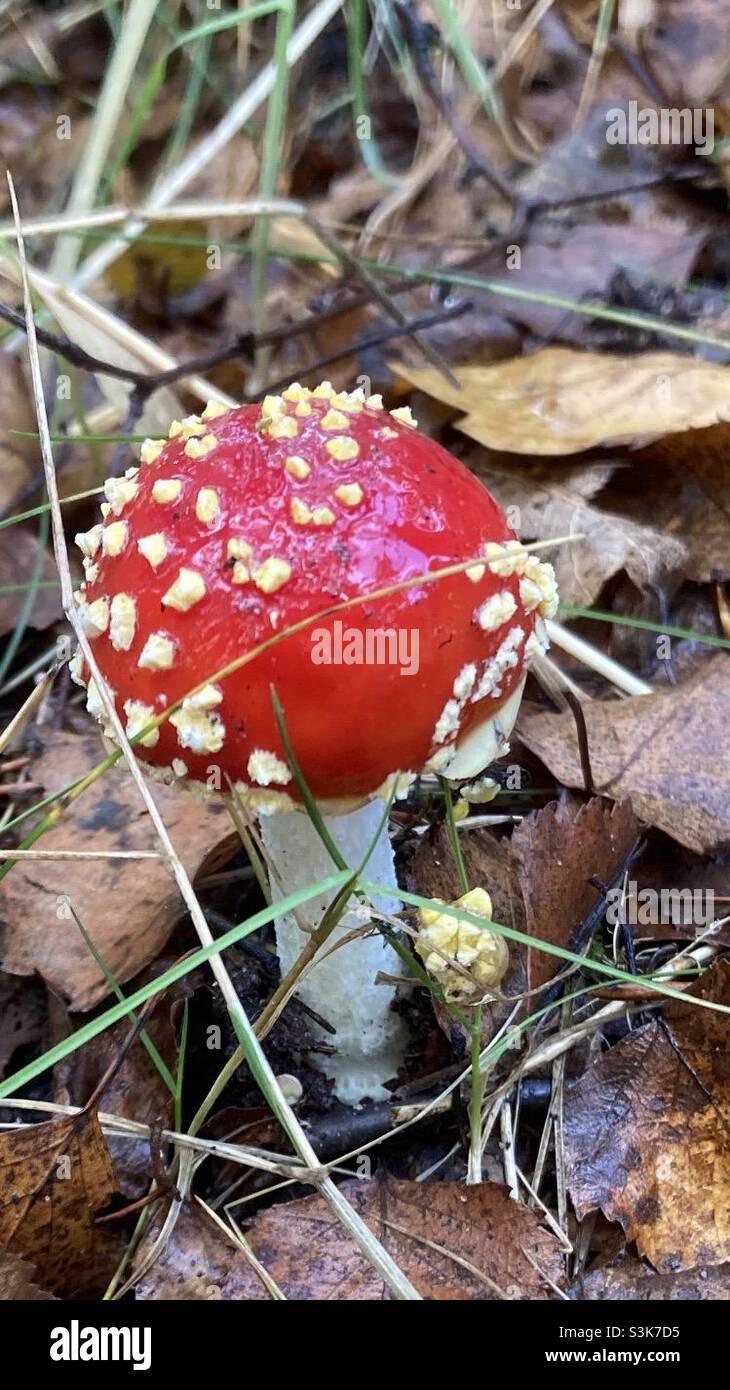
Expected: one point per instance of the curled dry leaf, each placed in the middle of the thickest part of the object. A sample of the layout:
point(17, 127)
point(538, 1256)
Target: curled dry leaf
point(647, 1134)
point(554, 500)
point(453, 1243)
point(560, 847)
point(559, 401)
point(128, 907)
point(54, 1178)
point(666, 752)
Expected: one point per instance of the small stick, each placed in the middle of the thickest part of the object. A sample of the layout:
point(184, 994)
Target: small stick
point(76, 853)
point(582, 732)
point(597, 660)
point(28, 708)
point(508, 1150)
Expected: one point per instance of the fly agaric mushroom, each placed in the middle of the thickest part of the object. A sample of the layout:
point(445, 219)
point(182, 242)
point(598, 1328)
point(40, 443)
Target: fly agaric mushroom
point(249, 520)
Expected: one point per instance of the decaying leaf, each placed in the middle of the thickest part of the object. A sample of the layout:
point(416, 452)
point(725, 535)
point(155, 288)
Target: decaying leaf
point(560, 848)
point(630, 1280)
point(17, 1281)
point(555, 500)
point(135, 1091)
point(559, 401)
point(54, 1178)
point(453, 1243)
point(662, 492)
point(128, 907)
point(666, 752)
point(647, 1134)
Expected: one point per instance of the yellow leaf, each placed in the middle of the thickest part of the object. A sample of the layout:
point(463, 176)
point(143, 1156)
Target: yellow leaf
point(559, 401)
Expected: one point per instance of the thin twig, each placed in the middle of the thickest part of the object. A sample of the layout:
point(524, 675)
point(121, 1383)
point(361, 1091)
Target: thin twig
point(79, 854)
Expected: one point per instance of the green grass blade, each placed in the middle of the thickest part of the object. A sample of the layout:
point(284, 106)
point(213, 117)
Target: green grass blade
point(115, 989)
point(663, 629)
point(537, 944)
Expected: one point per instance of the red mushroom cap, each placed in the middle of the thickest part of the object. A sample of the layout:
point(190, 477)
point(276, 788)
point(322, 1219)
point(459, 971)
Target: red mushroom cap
point(249, 520)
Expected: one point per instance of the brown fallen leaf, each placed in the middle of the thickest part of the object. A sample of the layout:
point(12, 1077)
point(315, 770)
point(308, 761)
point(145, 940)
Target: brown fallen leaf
point(666, 752)
point(704, 452)
point(128, 907)
point(555, 500)
point(453, 1243)
point(690, 44)
point(17, 1282)
point(560, 847)
point(629, 1280)
point(20, 552)
point(135, 1091)
point(559, 401)
point(581, 261)
point(198, 1264)
point(662, 492)
point(647, 1134)
point(54, 1178)
point(687, 893)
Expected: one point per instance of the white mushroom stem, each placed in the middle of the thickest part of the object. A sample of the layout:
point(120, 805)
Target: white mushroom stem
point(340, 984)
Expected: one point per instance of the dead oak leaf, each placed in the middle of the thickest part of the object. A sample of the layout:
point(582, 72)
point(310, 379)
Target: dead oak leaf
point(665, 752)
point(54, 1178)
point(128, 907)
point(453, 1242)
point(560, 847)
point(673, 490)
point(561, 401)
point(647, 1134)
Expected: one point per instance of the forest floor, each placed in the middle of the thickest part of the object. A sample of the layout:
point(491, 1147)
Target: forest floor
point(513, 220)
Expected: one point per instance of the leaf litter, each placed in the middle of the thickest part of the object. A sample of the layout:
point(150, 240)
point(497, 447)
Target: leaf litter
point(594, 403)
